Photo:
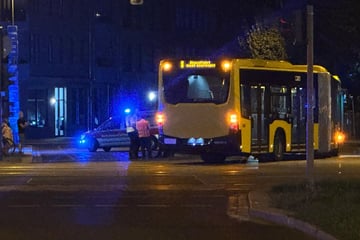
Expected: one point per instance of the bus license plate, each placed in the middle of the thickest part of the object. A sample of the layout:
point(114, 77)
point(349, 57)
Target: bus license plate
point(170, 140)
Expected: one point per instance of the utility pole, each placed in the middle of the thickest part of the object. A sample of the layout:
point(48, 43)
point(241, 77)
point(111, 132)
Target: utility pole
point(12, 12)
point(91, 64)
point(310, 95)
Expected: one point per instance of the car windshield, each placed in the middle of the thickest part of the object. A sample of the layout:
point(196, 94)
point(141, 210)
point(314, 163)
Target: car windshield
point(112, 123)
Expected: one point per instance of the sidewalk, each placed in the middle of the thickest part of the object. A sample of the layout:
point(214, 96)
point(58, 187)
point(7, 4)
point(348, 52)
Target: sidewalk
point(25, 157)
point(62, 141)
point(29, 154)
point(259, 204)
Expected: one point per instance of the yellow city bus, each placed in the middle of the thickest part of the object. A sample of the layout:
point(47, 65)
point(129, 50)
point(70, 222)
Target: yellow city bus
point(221, 108)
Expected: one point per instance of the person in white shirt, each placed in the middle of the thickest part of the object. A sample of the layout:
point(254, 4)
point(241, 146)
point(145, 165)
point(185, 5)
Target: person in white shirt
point(133, 135)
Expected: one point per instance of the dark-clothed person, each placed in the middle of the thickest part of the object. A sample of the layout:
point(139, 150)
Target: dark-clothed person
point(22, 124)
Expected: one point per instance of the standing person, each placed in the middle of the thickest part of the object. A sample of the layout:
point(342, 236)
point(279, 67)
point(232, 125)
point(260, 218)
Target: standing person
point(133, 135)
point(7, 136)
point(143, 129)
point(22, 124)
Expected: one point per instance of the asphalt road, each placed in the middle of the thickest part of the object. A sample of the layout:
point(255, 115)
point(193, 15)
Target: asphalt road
point(69, 193)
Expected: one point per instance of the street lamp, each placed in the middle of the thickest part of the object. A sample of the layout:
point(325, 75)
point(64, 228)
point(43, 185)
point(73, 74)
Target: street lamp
point(152, 96)
point(52, 101)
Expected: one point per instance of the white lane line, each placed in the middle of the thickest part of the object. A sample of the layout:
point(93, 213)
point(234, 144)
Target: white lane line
point(349, 156)
point(111, 206)
point(28, 181)
point(197, 205)
point(243, 184)
point(68, 206)
point(153, 205)
point(24, 206)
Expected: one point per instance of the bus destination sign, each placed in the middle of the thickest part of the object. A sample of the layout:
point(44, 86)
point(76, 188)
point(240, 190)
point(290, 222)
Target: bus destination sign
point(197, 64)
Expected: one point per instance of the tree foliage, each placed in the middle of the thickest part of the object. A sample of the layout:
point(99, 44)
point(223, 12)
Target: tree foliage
point(264, 43)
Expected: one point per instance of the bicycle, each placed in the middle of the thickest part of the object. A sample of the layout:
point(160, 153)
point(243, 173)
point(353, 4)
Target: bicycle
point(8, 146)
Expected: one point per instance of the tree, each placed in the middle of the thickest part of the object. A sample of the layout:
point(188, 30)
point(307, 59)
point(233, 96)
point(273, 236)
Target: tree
point(264, 43)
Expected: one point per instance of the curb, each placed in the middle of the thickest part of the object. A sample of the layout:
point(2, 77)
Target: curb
point(283, 219)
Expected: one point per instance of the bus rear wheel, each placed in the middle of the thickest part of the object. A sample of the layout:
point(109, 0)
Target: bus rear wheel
point(213, 157)
point(279, 147)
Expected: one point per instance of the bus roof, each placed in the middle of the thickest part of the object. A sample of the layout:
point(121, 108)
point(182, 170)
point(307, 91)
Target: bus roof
point(278, 64)
point(316, 68)
point(266, 64)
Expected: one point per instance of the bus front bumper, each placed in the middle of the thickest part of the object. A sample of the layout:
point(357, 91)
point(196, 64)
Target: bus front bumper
point(226, 144)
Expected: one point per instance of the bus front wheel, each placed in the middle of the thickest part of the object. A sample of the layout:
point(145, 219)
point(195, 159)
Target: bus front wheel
point(212, 157)
point(279, 147)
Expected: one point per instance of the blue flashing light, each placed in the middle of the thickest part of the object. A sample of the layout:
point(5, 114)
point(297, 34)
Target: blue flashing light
point(127, 110)
point(82, 141)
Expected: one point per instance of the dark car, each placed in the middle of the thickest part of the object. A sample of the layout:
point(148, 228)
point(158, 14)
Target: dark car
point(112, 133)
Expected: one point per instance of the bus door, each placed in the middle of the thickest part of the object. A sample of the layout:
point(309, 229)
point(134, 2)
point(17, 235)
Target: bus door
point(259, 128)
point(298, 113)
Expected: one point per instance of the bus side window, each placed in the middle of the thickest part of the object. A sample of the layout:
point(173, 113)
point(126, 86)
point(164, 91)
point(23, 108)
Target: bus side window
point(280, 103)
point(245, 100)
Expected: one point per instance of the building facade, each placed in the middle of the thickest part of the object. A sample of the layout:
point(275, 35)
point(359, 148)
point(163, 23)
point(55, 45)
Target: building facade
point(82, 61)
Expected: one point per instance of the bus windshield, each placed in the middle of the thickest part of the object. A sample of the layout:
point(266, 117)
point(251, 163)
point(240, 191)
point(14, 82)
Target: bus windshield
point(189, 86)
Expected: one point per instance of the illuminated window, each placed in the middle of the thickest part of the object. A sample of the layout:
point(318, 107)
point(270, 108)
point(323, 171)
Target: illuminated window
point(36, 107)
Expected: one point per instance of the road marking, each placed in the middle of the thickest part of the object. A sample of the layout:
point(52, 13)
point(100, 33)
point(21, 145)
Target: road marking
point(68, 205)
point(244, 184)
point(28, 181)
point(24, 206)
point(111, 205)
point(153, 205)
point(197, 205)
point(349, 156)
